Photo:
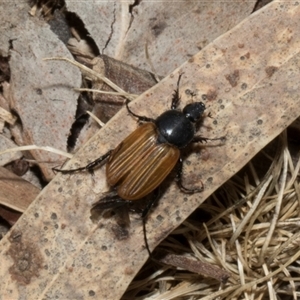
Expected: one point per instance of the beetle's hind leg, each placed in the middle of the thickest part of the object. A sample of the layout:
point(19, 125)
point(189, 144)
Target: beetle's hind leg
point(145, 213)
point(111, 200)
point(178, 180)
point(89, 167)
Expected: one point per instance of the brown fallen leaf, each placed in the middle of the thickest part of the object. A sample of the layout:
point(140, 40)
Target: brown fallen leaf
point(55, 233)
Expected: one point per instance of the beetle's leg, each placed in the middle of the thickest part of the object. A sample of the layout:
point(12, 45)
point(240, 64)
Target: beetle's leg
point(145, 237)
point(109, 201)
point(209, 115)
point(150, 203)
point(176, 97)
point(178, 179)
point(144, 217)
point(200, 139)
point(140, 118)
point(88, 167)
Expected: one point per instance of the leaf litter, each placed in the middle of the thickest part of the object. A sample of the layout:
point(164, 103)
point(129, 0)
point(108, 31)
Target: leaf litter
point(260, 253)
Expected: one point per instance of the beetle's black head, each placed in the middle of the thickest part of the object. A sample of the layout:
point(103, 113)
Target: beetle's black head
point(194, 111)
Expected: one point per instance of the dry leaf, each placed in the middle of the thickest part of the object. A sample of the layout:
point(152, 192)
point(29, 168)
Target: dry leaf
point(10, 216)
point(15, 192)
point(46, 108)
point(172, 33)
point(193, 265)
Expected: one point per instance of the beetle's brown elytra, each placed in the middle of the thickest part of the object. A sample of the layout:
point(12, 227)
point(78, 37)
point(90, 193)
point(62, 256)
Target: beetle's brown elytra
point(139, 164)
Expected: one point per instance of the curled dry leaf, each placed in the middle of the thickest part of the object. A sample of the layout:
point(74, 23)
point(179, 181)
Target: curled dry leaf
point(250, 104)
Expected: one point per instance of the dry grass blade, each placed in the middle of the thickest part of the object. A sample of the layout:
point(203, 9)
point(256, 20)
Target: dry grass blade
point(34, 147)
point(7, 116)
point(92, 75)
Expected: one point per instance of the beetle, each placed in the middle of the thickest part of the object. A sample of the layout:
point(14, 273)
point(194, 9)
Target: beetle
point(142, 161)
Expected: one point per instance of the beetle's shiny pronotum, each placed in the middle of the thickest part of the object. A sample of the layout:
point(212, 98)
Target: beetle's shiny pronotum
point(141, 162)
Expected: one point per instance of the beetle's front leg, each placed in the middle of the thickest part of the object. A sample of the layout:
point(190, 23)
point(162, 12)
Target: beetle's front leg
point(176, 97)
point(140, 118)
